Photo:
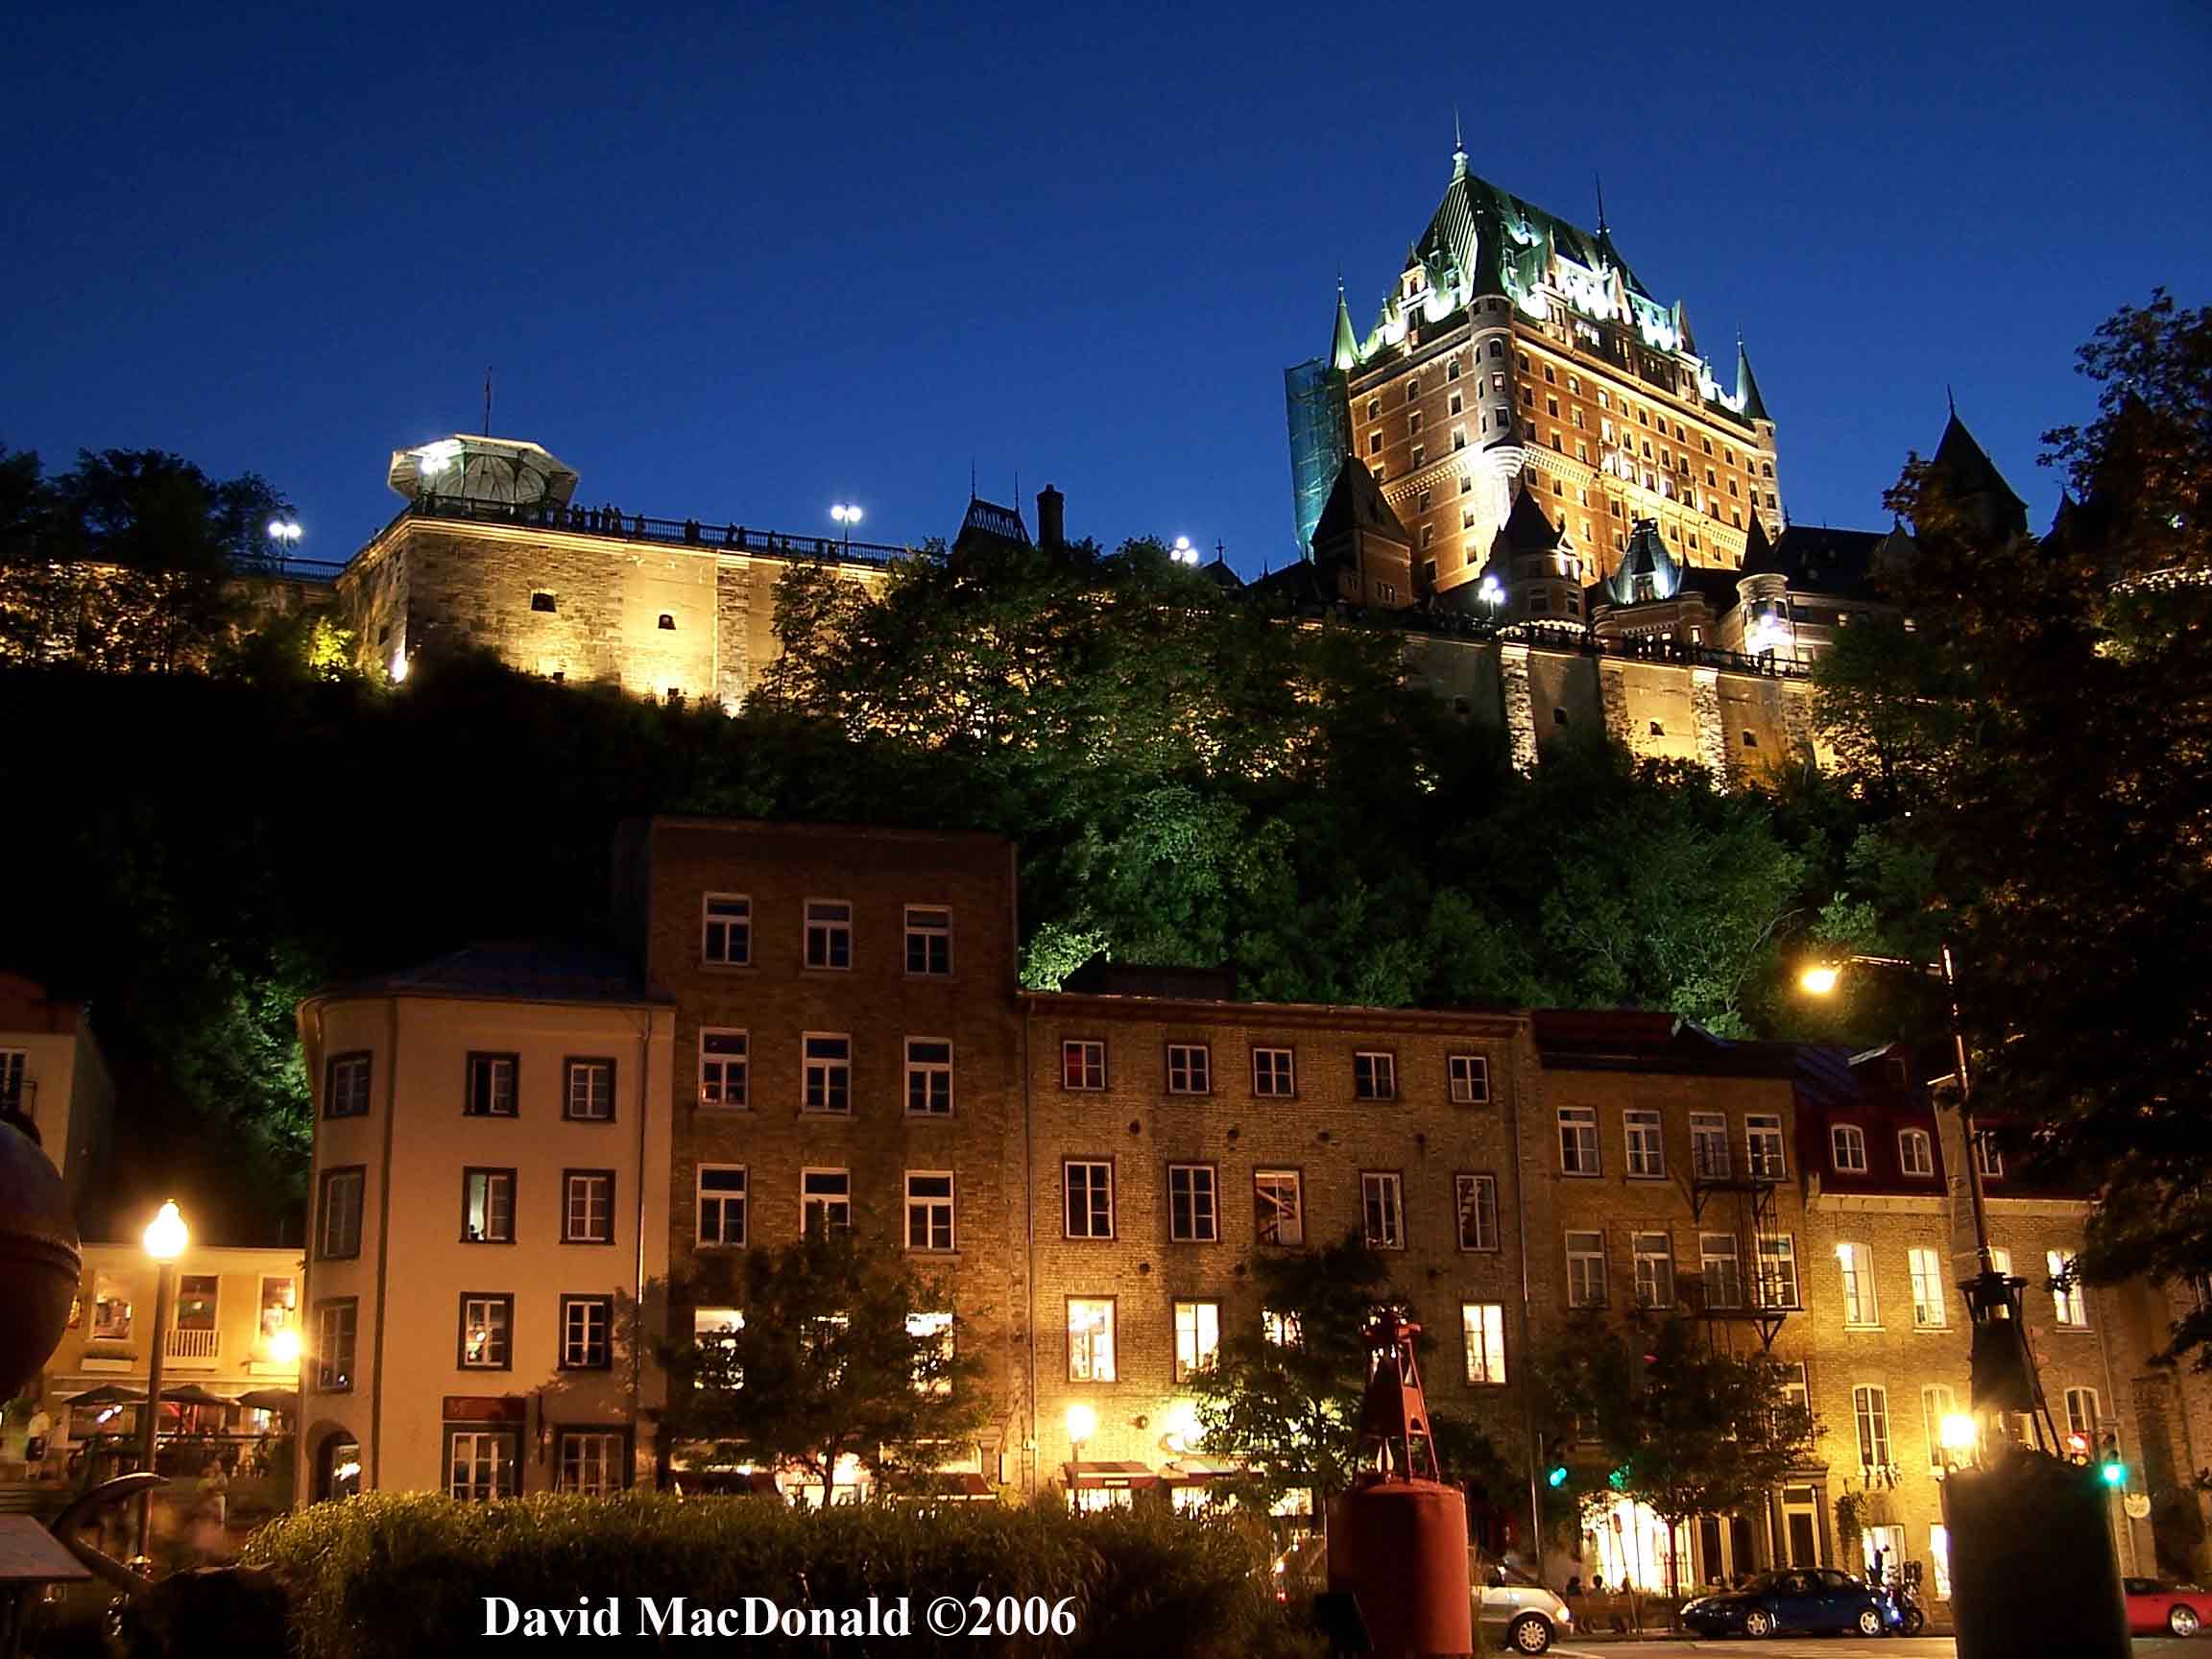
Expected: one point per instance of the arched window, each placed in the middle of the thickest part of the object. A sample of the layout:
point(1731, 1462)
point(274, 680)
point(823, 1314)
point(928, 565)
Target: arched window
point(1496, 348)
point(1915, 1153)
point(1847, 1142)
point(667, 623)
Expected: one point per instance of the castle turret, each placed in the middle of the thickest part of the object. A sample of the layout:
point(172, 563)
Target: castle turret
point(1974, 487)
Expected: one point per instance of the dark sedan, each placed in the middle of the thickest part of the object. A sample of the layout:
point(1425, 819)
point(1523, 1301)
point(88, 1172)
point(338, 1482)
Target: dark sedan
point(1816, 1600)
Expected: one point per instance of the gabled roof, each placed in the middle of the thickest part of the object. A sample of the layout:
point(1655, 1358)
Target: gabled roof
point(1646, 557)
point(1527, 529)
point(1759, 556)
point(988, 519)
point(1967, 474)
point(1356, 503)
point(1818, 560)
point(511, 973)
point(1747, 387)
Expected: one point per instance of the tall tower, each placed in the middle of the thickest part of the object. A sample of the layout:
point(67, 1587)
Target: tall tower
point(1519, 355)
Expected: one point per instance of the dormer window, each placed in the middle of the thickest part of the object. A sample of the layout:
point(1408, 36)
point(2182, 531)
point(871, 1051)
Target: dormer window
point(1644, 592)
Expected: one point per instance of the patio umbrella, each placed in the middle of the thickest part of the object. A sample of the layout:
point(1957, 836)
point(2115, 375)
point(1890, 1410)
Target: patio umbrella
point(106, 1394)
point(192, 1394)
point(283, 1400)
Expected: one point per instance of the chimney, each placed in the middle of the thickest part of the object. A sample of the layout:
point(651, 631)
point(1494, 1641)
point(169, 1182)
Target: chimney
point(1051, 518)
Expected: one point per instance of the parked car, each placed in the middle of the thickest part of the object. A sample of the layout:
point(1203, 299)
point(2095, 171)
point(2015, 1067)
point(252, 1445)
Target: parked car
point(2155, 1606)
point(1818, 1600)
point(1513, 1607)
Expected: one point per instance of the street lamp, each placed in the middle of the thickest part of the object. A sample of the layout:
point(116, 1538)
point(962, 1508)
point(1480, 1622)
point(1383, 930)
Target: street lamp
point(165, 1239)
point(1082, 1424)
point(1183, 553)
point(284, 1346)
point(848, 514)
point(285, 533)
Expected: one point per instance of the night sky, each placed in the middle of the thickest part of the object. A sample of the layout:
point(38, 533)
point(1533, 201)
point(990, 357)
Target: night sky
point(742, 262)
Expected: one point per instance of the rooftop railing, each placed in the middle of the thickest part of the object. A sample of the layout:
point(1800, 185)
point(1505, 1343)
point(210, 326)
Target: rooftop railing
point(612, 521)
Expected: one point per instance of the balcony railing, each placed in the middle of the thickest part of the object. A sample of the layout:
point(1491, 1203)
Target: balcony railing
point(185, 1344)
point(637, 527)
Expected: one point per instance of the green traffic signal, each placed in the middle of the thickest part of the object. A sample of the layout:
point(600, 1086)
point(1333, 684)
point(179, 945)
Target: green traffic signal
point(1557, 1476)
point(2114, 1473)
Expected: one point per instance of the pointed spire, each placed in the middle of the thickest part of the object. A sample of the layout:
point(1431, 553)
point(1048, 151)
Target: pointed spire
point(1458, 147)
point(1747, 387)
point(1599, 179)
point(1344, 347)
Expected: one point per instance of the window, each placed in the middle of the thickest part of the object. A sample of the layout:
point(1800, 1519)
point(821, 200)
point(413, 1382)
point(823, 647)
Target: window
point(1585, 1269)
point(1082, 1065)
point(1708, 1145)
point(933, 1365)
point(721, 1206)
point(1936, 1403)
point(1847, 1147)
point(1939, 1559)
point(1915, 1153)
point(1777, 1283)
point(726, 930)
point(722, 1069)
point(1859, 1305)
point(487, 1206)
point(1722, 1268)
point(1274, 1072)
point(2001, 1260)
point(1374, 1075)
point(587, 1327)
point(1197, 1337)
point(1654, 1254)
point(1090, 1340)
point(1089, 1188)
point(929, 1210)
point(1374, 408)
point(1190, 1069)
point(828, 934)
point(1763, 1148)
point(825, 1200)
point(1420, 450)
point(590, 1091)
point(1375, 442)
point(279, 1296)
point(928, 939)
point(1870, 1412)
point(335, 1324)
point(485, 1323)
point(543, 602)
point(1281, 1329)
point(1193, 1215)
point(339, 1232)
point(928, 1077)
point(667, 623)
point(827, 1085)
point(1382, 1209)
point(1647, 1155)
point(490, 1085)
point(588, 1206)
point(1926, 1266)
point(2067, 1296)
point(481, 1463)
point(1474, 1201)
point(1483, 1325)
point(2083, 1415)
point(1280, 1207)
point(1468, 1076)
point(344, 1087)
point(592, 1460)
point(1579, 1139)
point(1986, 1158)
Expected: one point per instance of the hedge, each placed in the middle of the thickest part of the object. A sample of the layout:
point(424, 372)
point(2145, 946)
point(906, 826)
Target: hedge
point(387, 1575)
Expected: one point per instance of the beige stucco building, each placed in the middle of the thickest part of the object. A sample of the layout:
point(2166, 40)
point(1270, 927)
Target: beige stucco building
point(53, 1077)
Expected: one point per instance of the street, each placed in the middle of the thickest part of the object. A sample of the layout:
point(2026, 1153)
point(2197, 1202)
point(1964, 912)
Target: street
point(1826, 1648)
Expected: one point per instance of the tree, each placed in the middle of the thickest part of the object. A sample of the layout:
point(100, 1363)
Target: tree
point(843, 1351)
point(1680, 1425)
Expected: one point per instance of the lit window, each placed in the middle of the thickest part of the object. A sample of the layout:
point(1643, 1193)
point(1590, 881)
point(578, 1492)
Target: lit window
point(1190, 1069)
point(1469, 1078)
point(488, 1206)
point(1585, 1269)
point(1280, 1205)
point(1936, 1403)
point(1847, 1143)
point(1375, 1076)
point(828, 934)
point(1870, 1415)
point(485, 1323)
point(588, 1206)
point(1082, 1065)
point(932, 1364)
point(1090, 1193)
point(721, 1206)
point(1654, 1256)
point(481, 1464)
point(344, 1089)
point(1274, 1072)
point(1926, 1271)
point(1197, 1337)
point(1090, 1339)
point(490, 1085)
point(929, 1210)
point(828, 1076)
point(1579, 1139)
point(1777, 1280)
point(2083, 1415)
point(928, 1077)
point(826, 1200)
point(1282, 1329)
point(1646, 1153)
point(928, 939)
point(1915, 1153)
point(1193, 1215)
point(1483, 1326)
point(1383, 1210)
point(726, 930)
point(1763, 1148)
point(586, 1324)
point(590, 1091)
point(1859, 1305)
point(722, 1068)
point(1475, 1200)
point(2068, 1298)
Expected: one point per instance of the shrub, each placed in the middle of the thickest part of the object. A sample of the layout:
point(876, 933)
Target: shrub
point(389, 1575)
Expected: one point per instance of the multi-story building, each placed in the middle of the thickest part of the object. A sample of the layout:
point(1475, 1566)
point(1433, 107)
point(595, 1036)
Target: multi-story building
point(52, 1077)
point(488, 1224)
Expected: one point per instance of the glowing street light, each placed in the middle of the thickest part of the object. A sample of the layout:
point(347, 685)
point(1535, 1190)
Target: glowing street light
point(1182, 552)
point(1082, 1424)
point(845, 513)
point(165, 1238)
point(1820, 979)
point(1490, 593)
point(284, 1346)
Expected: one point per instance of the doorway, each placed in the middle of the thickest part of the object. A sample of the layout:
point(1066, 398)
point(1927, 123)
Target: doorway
point(1801, 1525)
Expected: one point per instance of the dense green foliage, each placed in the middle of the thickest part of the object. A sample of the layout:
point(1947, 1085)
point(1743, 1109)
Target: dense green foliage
point(828, 1362)
point(392, 1577)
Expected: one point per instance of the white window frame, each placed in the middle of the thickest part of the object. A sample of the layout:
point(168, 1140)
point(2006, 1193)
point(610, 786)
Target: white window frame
point(1585, 1269)
point(1277, 1182)
point(1475, 1196)
point(499, 1184)
point(497, 1302)
point(827, 1076)
point(934, 936)
point(2087, 1426)
point(584, 1319)
point(1986, 1158)
point(1709, 1159)
point(1916, 1154)
point(493, 1457)
point(1646, 1136)
point(1197, 1335)
point(349, 1235)
point(1766, 1281)
point(835, 1209)
point(337, 1337)
point(1654, 1269)
point(937, 1211)
point(1200, 1196)
point(589, 1461)
point(929, 1078)
point(1096, 1183)
point(1190, 1069)
point(1847, 1148)
point(1382, 1209)
point(724, 1199)
point(734, 918)
point(2069, 1302)
point(1580, 1152)
point(597, 1105)
point(1870, 1426)
point(1482, 1329)
point(578, 1188)
point(718, 1070)
point(1467, 1079)
point(1862, 1301)
point(1937, 1400)
point(1273, 1067)
point(1765, 1150)
point(345, 1094)
point(827, 926)
point(1380, 1066)
point(1924, 1263)
point(1091, 1344)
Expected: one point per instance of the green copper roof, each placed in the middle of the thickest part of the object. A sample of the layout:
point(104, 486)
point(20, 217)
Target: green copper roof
point(1344, 350)
point(1746, 388)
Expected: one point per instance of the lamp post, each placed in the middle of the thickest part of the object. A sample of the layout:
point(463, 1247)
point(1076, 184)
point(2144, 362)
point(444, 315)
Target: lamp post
point(1082, 1424)
point(845, 513)
point(1182, 552)
point(284, 534)
point(165, 1239)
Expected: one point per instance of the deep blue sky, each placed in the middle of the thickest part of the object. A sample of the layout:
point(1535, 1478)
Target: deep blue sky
point(741, 261)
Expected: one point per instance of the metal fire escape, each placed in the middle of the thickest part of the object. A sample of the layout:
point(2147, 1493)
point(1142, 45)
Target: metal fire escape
point(1745, 1181)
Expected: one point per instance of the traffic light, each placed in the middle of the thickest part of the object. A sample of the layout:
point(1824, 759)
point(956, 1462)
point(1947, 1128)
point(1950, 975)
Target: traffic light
point(2111, 1467)
point(1555, 1464)
point(1558, 1476)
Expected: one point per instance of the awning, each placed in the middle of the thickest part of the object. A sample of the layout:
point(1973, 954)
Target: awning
point(1198, 1471)
point(283, 1400)
point(1108, 1477)
point(108, 1394)
point(192, 1394)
